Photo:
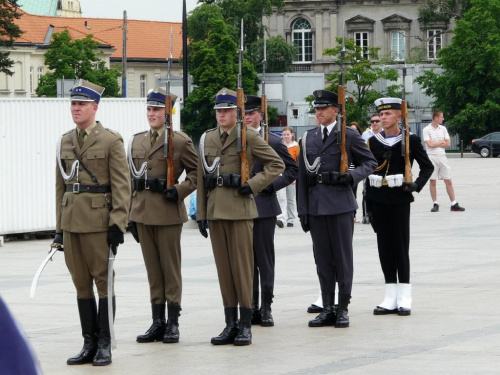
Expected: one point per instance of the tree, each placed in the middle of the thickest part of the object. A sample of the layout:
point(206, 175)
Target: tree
point(443, 10)
point(363, 73)
point(279, 57)
point(9, 31)
point(71, 59)
point(213, 64)
point(468, 90)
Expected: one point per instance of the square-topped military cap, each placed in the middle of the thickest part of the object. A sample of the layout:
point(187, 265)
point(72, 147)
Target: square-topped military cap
point(324, 98)
point(252, 103)
point(85, 91)
point(225, 98)
point(158, 96)
point(388, 103)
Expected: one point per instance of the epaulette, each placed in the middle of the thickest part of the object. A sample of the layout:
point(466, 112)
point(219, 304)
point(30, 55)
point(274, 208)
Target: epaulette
point(182, 134)
point(142, 132)
point(211, 130)
point(69, 131)
point(112, 131)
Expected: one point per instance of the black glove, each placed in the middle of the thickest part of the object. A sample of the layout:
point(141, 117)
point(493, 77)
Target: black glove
point(58, 242)
point(269, 189)
point(171, 194)
point(345, 179)
point(132, 228)
point(410, 187)
point(115, 237)
point(304, 223)
point(202, 226)
point(245, 189)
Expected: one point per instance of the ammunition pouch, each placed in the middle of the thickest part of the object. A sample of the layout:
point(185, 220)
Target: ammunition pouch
point(156, 185)
point(323, 178)
point(212, 181)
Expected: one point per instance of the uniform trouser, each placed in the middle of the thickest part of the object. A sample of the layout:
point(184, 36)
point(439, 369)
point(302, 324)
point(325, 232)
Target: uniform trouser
point(287, 199)
point(161, 249)
point(392, 225)
point(263, 249)
point(87, 256)
point(332, 246)
point(232, 244)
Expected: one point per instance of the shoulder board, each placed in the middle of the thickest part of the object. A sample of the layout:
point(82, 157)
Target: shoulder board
point(182, 134)
point(69, 131)
point(211, 130)
point(143, 132)
point(112, 131)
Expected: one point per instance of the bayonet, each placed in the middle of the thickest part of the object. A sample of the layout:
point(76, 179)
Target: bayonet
point(168, 146)
point(264, 126)
point(341, 118)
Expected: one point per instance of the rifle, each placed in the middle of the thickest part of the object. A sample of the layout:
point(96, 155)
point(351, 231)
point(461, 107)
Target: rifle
point(241, 144)
point(341, 117)
point(263, 104)
point(168, 146)
point(405, 142)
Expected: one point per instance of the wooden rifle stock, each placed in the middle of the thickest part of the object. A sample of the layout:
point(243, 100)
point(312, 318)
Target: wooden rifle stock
point(265, 125)
point(240, 102)
point(169, 132)
point(344, 165)
point(404, 115)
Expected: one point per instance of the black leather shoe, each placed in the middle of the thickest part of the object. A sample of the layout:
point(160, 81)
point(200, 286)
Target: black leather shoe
point(342, 320)
point(279, 223)
point(244, 336)
point(87, 353)
point(323, 319)
point(227, 336)
point(154, 333)
point(383, 311)
point(404, 311)
point(103, 355)
point(171, 333)
point(256, 316)
point(265, 310)
point(314, 309)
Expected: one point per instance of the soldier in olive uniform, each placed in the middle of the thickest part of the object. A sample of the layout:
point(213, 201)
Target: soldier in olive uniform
point(157, 214)
point(326, 204)
point(230, 209)
point(92, 201)
point(268, 208)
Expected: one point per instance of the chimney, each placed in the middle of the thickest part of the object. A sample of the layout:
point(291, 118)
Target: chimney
point(48, 36)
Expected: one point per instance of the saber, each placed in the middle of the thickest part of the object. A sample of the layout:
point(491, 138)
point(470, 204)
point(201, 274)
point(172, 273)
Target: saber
point(52, 251)
point(110, 298)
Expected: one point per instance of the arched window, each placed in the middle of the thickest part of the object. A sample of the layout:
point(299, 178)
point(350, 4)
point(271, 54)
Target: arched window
point(142, 85)
point(302, 40)
point(32, 80)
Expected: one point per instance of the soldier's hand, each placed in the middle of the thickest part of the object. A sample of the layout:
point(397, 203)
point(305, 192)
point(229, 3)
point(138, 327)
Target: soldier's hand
point(132, 228)
point(345, 179)
point(304, 222)
point(115, 236)
point(202, 226)
point(245, 189)
point(171, 194)
point(114, 249)
point(58, 242)
point(410, 187)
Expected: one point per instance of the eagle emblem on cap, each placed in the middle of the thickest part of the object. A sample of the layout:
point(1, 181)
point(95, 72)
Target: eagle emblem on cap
point(79, 82)
point(381, 102)
point(224, 92)
point(320, 94)
point(156, 90)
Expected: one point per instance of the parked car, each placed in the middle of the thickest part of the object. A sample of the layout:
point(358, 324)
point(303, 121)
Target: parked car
point(483, 145)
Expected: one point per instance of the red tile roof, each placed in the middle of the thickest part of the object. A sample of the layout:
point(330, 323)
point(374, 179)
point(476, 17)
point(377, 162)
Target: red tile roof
point(145, 39)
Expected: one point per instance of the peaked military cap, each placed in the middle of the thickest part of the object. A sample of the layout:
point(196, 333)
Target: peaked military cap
point(252, 103)
point(157, 97)
point(323, 98)
point(225, 98)
point(388, 103)
point(85, 91)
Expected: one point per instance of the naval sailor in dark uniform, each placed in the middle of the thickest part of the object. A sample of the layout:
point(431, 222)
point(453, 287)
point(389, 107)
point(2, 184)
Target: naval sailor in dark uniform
point(268, 208)
point(326, 204)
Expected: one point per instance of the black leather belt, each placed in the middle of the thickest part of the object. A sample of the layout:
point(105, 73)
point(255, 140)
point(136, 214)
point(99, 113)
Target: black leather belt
point(222, 180)
point(156, 185)
point(79, 188)
point(324, 178)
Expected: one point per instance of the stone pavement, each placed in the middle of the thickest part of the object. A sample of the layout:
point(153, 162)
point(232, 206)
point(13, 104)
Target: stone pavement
point(454, 327)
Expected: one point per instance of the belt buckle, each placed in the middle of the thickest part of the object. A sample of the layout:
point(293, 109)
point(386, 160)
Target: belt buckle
point(319, 178)
point(220, 181)
point(76, 188)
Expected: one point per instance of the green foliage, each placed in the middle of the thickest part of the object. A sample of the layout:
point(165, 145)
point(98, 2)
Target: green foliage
point(279, 57)
point(213, 64)
point(9, 31)
point(442, 10)
point(468, 90)
point(73, 59)
point(272, 114)
point(363, 73)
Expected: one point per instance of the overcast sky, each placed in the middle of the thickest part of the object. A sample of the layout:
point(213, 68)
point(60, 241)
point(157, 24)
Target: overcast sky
point(152, 10)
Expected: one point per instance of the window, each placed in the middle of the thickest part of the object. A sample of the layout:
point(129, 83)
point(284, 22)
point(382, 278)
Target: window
point(32, 79)
point(361, 39)
point(434, 43)
point(142, 85)
point(302, 40)
point(398, 45)
point(40, 73)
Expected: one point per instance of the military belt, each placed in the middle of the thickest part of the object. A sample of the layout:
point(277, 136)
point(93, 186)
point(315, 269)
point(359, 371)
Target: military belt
point(323, 178)
point(156, 185)
point(222, 180)
point(79, 188)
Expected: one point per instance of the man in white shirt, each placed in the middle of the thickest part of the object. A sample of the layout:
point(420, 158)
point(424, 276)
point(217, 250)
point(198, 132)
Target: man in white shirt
point(436, 139)
point(375, 127)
